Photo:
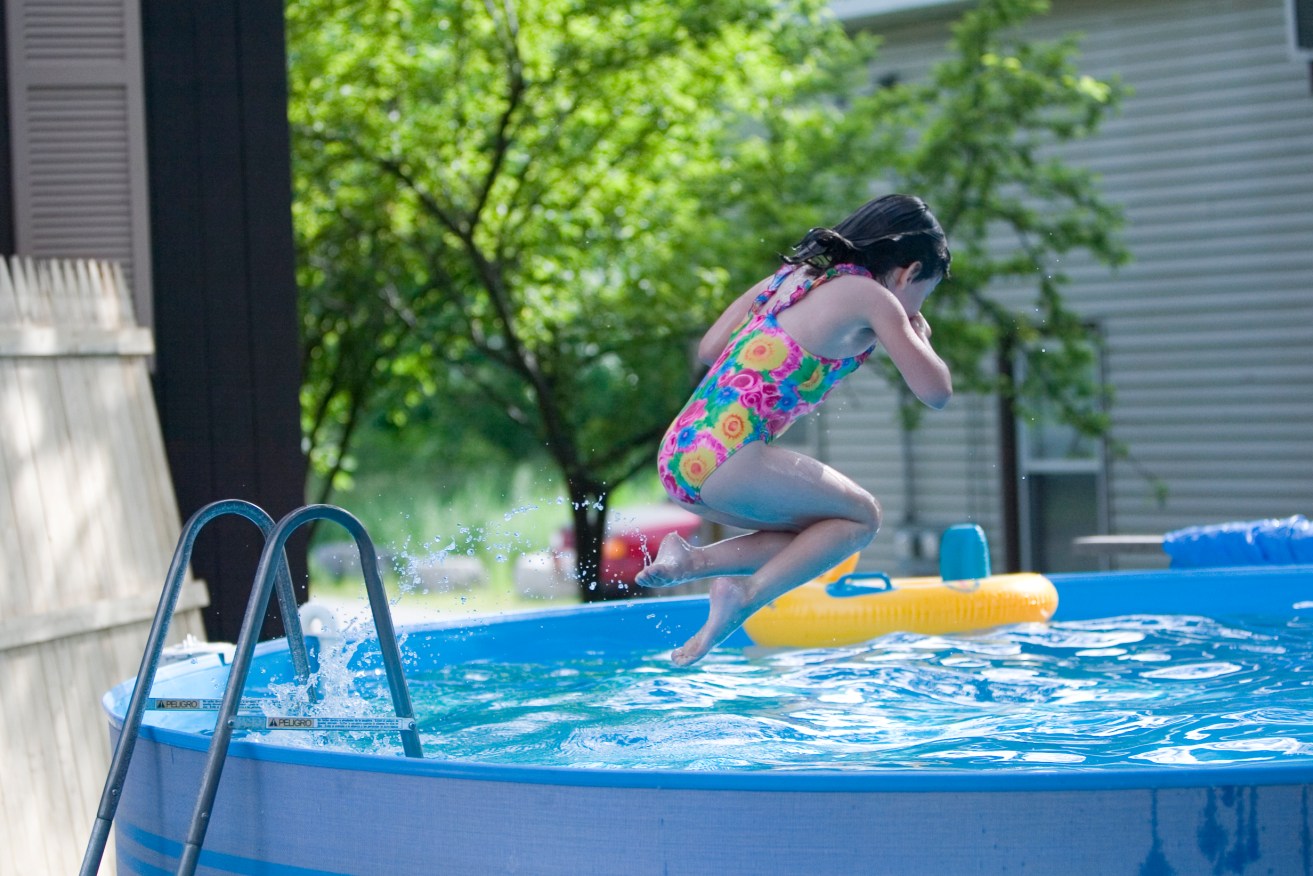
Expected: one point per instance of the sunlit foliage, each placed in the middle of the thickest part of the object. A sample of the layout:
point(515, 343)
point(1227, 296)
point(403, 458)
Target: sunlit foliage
point(517, 216)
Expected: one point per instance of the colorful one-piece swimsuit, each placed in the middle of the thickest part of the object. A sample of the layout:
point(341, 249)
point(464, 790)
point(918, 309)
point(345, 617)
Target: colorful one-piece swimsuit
point(762, 382)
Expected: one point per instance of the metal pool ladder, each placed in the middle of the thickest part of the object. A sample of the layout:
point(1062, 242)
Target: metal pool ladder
point(271, 575)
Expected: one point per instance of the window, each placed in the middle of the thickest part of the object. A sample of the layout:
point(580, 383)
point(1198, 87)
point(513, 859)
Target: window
point(1062, 483)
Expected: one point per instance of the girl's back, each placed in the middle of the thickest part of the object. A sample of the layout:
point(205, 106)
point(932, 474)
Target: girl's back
point(832, 320)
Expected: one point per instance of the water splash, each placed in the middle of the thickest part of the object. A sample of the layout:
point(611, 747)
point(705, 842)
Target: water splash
point(334, 690)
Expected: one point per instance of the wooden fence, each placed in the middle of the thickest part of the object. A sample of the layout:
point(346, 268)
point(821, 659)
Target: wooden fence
point(88, 523)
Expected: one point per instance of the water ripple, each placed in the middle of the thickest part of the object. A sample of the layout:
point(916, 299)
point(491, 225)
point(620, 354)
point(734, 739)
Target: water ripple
point(1124, 691)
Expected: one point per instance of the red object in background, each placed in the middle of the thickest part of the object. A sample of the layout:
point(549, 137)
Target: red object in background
point(632, 538)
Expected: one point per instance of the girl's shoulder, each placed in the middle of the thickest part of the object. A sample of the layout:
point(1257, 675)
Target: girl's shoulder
point(857, 281)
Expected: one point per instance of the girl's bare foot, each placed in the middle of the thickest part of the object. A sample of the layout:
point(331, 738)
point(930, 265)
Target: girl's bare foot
point(731, 605)
point(674, 564)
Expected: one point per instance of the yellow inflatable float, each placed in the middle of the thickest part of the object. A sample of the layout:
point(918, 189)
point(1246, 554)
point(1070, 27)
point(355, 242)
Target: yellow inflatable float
point(843, 608)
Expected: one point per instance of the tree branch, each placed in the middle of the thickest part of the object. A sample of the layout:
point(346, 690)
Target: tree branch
point(353, 418)
point(514, 97)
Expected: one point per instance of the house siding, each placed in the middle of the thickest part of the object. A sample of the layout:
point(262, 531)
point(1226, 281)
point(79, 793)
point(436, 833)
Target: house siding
point(1208, 328)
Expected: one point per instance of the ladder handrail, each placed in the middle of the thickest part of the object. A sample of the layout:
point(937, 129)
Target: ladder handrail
point(245, 647)
point(150, 658)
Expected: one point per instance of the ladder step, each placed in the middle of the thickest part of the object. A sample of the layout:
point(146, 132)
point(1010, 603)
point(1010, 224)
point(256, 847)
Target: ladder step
point(184, 704)
point(298, 722)
point(281, 722)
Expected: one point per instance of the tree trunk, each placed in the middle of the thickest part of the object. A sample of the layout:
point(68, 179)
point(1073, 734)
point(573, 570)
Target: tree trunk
point(589, 512)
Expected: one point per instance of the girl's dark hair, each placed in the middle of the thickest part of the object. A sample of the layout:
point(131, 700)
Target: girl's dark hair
point(885, 233)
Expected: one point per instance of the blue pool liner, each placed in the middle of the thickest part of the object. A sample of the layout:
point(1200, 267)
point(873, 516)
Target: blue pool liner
point(1274, 542)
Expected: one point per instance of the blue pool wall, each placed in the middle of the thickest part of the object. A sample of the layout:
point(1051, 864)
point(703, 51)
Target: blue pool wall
point(312, 811)
point(286, 818)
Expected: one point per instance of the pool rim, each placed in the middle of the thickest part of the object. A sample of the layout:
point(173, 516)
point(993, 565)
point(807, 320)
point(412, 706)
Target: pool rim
point(1003, 777)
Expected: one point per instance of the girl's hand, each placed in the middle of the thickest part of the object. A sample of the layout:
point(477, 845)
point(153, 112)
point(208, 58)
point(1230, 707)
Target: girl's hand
point(905, 337)
point(920, 326)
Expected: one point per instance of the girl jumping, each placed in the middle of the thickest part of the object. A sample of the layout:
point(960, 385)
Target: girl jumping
point(775, 354)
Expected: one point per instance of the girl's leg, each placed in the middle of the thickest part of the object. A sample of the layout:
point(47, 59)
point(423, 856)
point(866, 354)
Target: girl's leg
point(814, 517)
point(678, 562)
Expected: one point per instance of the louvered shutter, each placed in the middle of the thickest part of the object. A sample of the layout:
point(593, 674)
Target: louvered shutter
point(77, 105)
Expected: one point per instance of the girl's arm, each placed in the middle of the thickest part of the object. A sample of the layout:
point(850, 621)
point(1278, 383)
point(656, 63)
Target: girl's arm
point(717, 337)
point(906, 338)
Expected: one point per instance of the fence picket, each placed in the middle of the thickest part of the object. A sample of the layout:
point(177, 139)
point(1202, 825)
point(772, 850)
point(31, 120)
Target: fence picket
point(88, 519)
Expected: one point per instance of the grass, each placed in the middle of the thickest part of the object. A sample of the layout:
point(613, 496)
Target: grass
point(493, 516)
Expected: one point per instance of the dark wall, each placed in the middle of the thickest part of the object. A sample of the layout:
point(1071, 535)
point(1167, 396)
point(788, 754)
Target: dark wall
point(6, 161)
point(228, 360)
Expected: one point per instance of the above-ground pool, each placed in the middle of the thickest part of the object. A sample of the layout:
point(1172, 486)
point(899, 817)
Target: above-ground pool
point(732, 804)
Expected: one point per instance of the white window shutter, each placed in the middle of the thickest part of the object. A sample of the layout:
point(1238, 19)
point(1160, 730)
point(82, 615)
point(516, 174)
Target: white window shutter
point(77, 109)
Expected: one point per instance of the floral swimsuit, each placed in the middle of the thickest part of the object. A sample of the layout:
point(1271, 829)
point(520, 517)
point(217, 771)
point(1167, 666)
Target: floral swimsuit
point(762, 382)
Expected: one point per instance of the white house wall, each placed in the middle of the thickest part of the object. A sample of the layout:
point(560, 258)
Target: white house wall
point(1209, 329)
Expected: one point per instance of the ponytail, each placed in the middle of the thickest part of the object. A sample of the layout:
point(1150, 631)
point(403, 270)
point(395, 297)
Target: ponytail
point(822, 247)
point(886, 233)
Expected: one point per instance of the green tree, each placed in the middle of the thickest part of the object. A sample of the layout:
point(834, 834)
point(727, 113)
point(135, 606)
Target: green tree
point(535, 208)
point(980, 140)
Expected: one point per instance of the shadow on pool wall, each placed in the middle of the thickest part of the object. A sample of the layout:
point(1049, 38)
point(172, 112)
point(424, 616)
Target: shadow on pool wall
point(298, 810)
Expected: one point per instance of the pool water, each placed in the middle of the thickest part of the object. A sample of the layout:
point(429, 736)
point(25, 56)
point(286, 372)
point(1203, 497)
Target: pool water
point(1128, 691)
